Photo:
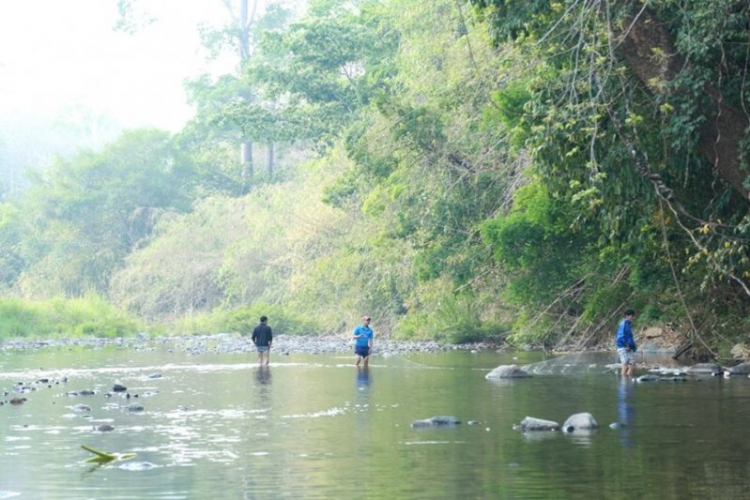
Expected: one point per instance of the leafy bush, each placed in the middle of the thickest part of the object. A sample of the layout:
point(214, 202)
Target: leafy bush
point(454, 318)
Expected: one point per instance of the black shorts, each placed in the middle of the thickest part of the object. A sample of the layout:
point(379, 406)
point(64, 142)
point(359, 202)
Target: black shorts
point(362, 350)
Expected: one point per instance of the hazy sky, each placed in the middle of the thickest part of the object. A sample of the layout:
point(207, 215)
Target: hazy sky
point(55, 54)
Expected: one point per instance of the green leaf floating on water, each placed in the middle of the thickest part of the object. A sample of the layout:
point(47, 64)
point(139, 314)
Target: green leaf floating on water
point(104, 457)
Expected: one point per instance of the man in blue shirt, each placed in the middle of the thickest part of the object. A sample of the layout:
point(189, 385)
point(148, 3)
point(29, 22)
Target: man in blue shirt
point(625, 344)
point(363, 341)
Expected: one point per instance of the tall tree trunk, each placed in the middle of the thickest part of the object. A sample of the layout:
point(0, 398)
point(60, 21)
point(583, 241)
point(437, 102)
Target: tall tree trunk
point(648, 47)
point(246, 148)
point(269, 159)
point(246, 160)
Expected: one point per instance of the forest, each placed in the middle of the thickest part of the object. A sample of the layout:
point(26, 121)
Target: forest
point(516, 171)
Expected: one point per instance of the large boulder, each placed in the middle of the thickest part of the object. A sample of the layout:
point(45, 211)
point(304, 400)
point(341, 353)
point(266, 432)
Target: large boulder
point(507, 371)
point(435, 422)
point(741, 369)
point(538, 424)
point(704, 369)
point(580, 422)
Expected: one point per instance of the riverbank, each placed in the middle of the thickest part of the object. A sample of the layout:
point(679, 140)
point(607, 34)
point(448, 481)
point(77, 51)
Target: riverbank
point(654, 339)
point(226, 343)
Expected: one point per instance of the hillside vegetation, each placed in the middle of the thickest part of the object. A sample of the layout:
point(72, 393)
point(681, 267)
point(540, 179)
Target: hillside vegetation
point(517, 170)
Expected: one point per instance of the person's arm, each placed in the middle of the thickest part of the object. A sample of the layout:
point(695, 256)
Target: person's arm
point(270, 337)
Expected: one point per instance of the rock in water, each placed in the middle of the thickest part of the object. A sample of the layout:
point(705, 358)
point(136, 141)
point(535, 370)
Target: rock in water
point(538, 424)
point(435, 422)
point(704, 369)
point(741, 369)
point(580, 421)
point(507, 371)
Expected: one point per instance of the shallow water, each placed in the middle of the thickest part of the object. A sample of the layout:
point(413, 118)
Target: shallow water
point(313, 426)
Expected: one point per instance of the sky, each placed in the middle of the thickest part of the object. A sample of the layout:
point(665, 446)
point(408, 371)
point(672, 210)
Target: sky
point(56, 55)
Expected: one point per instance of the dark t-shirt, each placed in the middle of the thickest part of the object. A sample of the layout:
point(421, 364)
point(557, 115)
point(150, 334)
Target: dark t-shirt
point(262, 335)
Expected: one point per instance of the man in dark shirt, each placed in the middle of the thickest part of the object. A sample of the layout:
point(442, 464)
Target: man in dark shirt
point(262, 338)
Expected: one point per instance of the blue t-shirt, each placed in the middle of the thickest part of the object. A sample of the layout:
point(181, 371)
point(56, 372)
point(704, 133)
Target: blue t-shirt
point(365, 340)
point(625, 335)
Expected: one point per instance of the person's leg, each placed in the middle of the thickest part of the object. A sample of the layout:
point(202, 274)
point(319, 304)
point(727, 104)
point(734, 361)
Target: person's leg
point(268, 356)
point(367, 360)
point(631, 364)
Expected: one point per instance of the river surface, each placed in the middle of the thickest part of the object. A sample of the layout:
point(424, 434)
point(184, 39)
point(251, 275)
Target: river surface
point(216, 426)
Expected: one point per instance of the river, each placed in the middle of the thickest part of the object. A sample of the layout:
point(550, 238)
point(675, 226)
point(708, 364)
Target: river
point(215, 425)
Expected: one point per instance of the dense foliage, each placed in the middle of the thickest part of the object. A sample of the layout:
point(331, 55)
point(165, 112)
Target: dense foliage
point(460, 170)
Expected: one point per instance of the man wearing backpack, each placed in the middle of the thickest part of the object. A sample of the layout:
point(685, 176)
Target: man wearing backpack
point(625, 344)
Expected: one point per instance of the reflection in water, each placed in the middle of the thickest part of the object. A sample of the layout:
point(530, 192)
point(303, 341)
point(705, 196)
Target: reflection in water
point(263, 375)
point(363, 381)
point(263, 378)
point(626, 411)
point(362, 406)
point(363, 378)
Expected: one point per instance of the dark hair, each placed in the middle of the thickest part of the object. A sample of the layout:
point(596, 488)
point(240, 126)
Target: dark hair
point(263, 319)
point(629, 312)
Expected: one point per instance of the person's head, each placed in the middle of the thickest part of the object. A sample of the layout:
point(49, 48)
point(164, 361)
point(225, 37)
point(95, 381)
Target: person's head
point(629, 313)
point(366, 320)
point(263, 319)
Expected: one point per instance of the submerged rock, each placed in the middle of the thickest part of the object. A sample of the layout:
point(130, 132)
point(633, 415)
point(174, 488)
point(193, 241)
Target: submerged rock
point(435, 422)
point(85, 392)
point(648, 378)
point(507, 371)
point(119, 388)
point(673, 379)
point(538, 424)
point(579, 422)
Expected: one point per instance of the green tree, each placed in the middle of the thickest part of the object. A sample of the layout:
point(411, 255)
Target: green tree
point(84, 215)
point(633, 129)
